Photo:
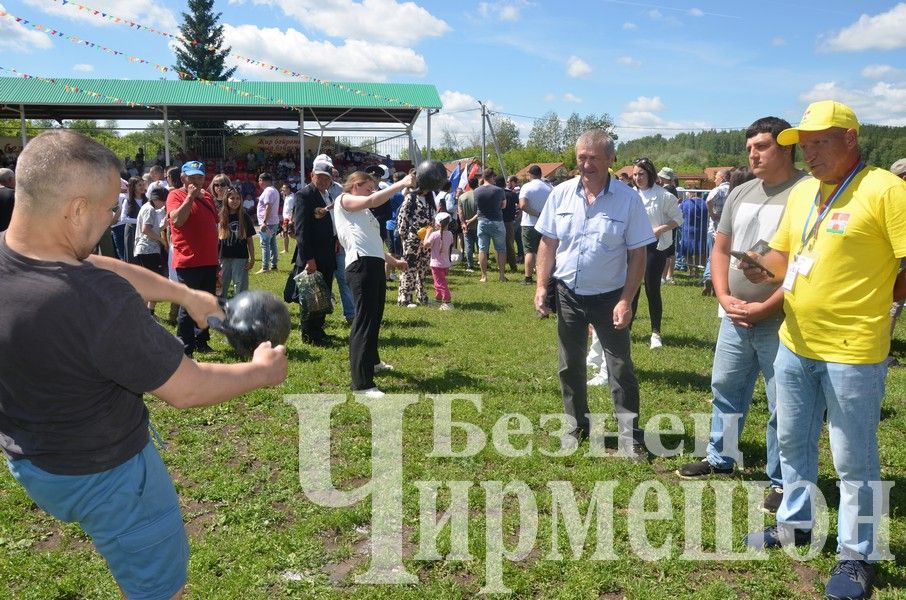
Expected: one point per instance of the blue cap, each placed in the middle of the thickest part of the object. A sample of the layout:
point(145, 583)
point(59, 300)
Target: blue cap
point(193, 167)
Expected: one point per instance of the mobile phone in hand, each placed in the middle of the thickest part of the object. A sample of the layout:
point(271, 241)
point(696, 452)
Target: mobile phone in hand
point(746, 258)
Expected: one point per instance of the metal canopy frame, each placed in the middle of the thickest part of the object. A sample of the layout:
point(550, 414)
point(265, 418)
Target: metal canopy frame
point(395, 120)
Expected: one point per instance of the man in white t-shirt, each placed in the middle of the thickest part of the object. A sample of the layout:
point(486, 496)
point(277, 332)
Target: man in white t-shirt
point(532, 197)
point(269, 219)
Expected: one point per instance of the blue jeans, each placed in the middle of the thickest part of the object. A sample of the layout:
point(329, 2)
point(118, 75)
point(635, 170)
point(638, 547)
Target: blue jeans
point(346, 297)
point(471, 240)
point(491, 230)
point(706, 276)
point(235, 271)
point(740, 353)
point(268, 235)
point(851, 395)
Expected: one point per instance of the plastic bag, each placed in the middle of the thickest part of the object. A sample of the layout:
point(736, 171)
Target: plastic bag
point(314, 296)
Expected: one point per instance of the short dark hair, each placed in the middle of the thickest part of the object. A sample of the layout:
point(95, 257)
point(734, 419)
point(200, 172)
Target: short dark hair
point(265, 177)
point(646, 165)
point(772, 125)
point(534, 171)
point(158, 192)
point(473, 182)
point(489, 175)
point(500, 181)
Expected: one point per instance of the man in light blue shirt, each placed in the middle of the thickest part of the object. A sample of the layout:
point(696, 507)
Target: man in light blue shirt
point(594, 229)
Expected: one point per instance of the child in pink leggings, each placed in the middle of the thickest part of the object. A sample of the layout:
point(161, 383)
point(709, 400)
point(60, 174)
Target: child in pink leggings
point(439, 240)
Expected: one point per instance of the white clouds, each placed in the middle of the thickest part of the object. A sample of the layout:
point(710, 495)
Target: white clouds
point(886, 31)
point(646, 104)
point(83, 68)
point(655, 14)
point(398, 23)
point(147, 12)
point(630, 26)
point(18, 37)
point(352, 60)
point(461, 116)
point(778, 41)
point(576, 67)
point(571, 98)
point(696, 12)
point(882, 103)
point(881, 72)
point(628, 61)
point(499, 10)
point(639, 119)
point(550, 97)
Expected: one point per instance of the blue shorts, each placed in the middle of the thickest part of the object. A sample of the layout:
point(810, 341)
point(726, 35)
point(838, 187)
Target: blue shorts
point(131, 513)
point(491, 230)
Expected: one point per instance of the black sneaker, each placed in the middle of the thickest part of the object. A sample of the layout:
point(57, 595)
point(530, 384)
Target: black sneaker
point(702, 469)
point(850, 579)
point(776, 535)
point(772, 500)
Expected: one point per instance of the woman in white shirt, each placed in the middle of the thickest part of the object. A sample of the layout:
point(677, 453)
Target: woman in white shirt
point(665, 216)
point(360, 235)
point(150, 241)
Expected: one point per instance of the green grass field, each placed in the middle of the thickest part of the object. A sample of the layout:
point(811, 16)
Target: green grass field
point(255, 534)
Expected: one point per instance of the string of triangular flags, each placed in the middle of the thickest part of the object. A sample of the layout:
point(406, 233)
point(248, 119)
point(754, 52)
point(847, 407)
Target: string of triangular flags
point(135, 59)
point(251, 61)
point(74, 89)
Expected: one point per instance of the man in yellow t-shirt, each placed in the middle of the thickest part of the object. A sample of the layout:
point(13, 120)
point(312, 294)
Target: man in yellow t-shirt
point(837, 250)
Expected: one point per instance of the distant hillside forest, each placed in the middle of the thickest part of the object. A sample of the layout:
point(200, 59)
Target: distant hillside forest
point(691, 152)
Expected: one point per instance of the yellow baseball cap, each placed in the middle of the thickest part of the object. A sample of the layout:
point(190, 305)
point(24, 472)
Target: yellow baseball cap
point(819, 116)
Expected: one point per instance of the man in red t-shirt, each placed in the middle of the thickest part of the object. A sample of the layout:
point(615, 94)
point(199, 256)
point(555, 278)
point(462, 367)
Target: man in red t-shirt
point(193, 230)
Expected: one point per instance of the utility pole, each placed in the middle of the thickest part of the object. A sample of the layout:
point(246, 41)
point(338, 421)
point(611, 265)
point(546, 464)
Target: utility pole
point(484, 120)
point(496, 147)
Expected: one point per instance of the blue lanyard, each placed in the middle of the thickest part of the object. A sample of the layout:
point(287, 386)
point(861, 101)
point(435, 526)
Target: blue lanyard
point(841, 187)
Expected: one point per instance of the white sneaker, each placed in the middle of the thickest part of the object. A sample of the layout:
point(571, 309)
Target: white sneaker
point(656, 341)
point(382, 366)
point(599, 379)
point(371, 393)
point(446, 306)
point(412, 305)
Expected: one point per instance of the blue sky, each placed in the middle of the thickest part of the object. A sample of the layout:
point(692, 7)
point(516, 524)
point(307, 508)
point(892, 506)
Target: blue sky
point(653, 66)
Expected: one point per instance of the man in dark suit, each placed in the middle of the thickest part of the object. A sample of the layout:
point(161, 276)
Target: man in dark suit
point(316, 241)
point(7, 196)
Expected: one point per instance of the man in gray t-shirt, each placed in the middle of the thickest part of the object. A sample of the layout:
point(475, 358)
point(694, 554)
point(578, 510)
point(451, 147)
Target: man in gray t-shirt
point(750, 313)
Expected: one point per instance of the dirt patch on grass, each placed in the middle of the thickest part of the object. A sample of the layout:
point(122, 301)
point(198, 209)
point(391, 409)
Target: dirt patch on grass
point(338, 569)
point(807, 581)
point(197, 516)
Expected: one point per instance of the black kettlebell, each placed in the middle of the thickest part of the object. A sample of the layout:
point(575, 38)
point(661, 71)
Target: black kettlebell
point(430, 176)
point(253, 317)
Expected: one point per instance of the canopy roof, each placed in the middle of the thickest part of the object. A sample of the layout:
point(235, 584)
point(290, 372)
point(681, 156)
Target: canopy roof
point(324, 102)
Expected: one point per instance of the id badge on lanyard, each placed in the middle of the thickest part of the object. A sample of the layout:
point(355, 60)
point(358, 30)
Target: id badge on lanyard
point(805, 259)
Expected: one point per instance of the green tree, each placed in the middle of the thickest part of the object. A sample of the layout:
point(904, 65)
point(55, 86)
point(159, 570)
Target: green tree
point(547, 133)
point(201, 55)
point(507, 134)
